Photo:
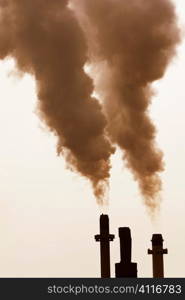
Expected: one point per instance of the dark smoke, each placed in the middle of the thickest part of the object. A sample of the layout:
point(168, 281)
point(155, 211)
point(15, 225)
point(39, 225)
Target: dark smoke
point(131, 42)
point(45, 39)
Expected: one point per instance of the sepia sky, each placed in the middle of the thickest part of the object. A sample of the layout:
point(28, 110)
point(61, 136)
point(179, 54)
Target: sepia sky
point(49, 216)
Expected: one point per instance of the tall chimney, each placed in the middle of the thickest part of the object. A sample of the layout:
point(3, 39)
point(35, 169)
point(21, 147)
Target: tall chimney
point(157, 255)
point(125, 268)
point(104, 238)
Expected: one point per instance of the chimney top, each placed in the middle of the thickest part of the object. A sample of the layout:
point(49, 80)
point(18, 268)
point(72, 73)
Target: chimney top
point(124, 232)
point(157, 239)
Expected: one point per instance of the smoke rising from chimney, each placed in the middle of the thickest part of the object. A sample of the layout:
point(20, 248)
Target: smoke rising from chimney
point(130, 45)
point(45, 39)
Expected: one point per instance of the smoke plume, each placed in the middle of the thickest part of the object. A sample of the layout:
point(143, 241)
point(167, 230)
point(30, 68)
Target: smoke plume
point(130, 45)
point(45, 39)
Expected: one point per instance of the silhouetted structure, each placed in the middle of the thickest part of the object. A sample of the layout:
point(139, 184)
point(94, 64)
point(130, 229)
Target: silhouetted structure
point(104, 238)
point(125, 268)
point(157, 255)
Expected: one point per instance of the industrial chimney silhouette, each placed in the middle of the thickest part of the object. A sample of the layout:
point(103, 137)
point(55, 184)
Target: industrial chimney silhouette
point(125, 268)
point(104, 238)
point(157, 255)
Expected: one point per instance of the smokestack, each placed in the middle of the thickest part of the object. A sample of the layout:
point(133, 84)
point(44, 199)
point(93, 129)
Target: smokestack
point(125, 268)
point(104, 238)
point(157, 255)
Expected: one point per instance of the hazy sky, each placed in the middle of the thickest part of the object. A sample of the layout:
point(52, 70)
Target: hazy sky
point(48, 215)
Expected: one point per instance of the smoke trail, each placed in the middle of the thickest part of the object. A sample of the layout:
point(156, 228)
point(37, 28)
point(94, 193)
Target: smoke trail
point(45, 39)
point(130, 45)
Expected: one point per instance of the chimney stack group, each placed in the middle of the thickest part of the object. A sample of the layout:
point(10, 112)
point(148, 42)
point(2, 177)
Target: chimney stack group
point(126, 268)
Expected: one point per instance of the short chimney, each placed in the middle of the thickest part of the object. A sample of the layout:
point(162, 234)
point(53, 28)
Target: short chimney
point(125, 268)
point(157, 255)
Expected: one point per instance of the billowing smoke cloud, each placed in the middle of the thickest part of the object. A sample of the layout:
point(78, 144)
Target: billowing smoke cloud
point(130, 45)
point(45, 39)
